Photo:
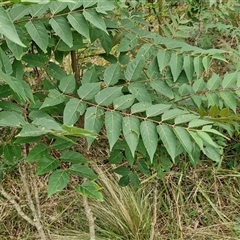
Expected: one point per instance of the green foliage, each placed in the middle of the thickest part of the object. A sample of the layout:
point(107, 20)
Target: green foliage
point(157, 96)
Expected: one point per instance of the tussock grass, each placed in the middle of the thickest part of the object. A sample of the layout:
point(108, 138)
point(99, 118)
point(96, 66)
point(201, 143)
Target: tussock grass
point(126, 213)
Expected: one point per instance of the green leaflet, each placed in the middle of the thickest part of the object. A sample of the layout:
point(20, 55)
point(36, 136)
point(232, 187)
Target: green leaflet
point(162, 87)
point(176, 65)
point(79, 23)
point(212, 153)
point(73, 6)
point(38, 152)
point(11, 119)
point(89, 3)
point(198, 66)
point(185, 140)
point(169, 139)
point(199, 85)
point(95, 19)
point(188, 67)
point(34, 60)
point(140, 92)
point(229, 80)
point(172, 113)
point(47, 164)
point(206, 62)
point(73, 109)
point(113, 123)
point(56, 7)
point(205, 136)
point(122, 170)
point(88, 91)
point(134, 69)
point(153, 70)
point(47, 124)
point(163, 58)
point(77, 44)
point(90, 189)
point(54, 98)
point(198, 122)
point(93, 121)
point(140, 107)
point(38, 33)
point(105, 6)
point(143, 167)
point(106, 96)
point(18, 11)
point(6, 63)
point(82, 171)
point(16, 49)
point(10, 106)
point(185, 89)
point(55, 71)
point(157, 109)
point(20, 87)
point(31, 131)
point(124, 181)
point(127, 43)
point(146, 51)
point(62, 29)
point(38, 10)
point(11, 153)
point(73, 157)
point(67, 84)
point(129, 157)
point(123, 102)
point(229, 100)
point(112, 74)
point(57, 181)
point(213, 99)
point(208, 128)
point(106, 41)
point(214, 82)
point(197, 139)
point(149, 137)
point(7, 28)
point(131, 132)
point(62, 143)
point(185, 118)
point(116, 156)
point(90, 76)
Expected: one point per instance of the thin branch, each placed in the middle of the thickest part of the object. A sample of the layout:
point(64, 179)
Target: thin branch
point(154, 219)
point(36, 195)
point(16, 206)
point(75, 65)
point(37, 222)
point(90, 218)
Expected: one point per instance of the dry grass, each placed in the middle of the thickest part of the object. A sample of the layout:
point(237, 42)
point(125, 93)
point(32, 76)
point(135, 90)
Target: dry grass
point(193, 204)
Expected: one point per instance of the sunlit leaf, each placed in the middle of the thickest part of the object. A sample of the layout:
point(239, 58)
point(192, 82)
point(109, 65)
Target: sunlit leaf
point(73, 109)
point(131, 132)
point(82, 171)
point(113, 123)
point(149, 137)
point(90, 189)
point(106, 96)
point(169, 139)
point(7, 27)
point(93, 122)
point(95, 19)
point(57, 181)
